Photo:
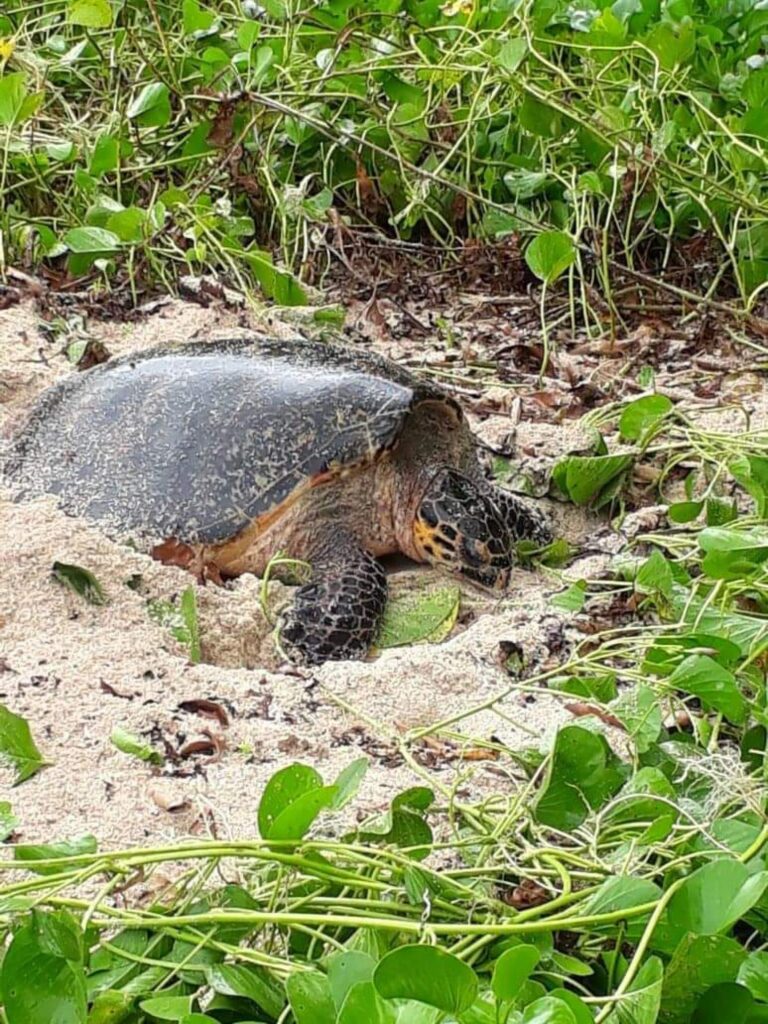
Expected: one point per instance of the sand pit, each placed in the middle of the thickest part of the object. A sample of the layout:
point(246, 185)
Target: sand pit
point(77, 671)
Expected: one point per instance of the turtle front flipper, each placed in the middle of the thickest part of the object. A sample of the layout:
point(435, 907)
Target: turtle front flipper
point(524, 520)
point(337, 615)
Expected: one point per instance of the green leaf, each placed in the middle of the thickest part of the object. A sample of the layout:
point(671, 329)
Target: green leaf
point(249, 982)
point(639, 711)
point(61, 152)
point(191, 635)
point(17, 748)
point(740, 629)
point(416, 618)
point(89, 13)
point(29, 853)
point(547, 1011)
point(566, 964)
point(348, 782)
point(702, 676)
point(667, 652)
point(512, 970)
point(276, 284)
point(641, 1003)
point(523, 184)
point(112, 1007)
point(296, 820)
point(363, 1003)
point(310, 997)
point(753, 273)
point(149, 96)
point(670, 46)
point(347, 969)
point(262, 62)
point(80, 580)
point(182, 621)
point(752, 473)
point(732, 553)
point(550, 254)
point(17, 104)
point(655, 575)
point(91, 241)
point(195, 18)
point(540, 119)
point(648, 799)
point(291, 801)
point(8, 821)
point(583, 773)
point(599, 688)
point(586, 476)
point(59, 934)
point(581, 1012)
point(753, 974)
point(428, 975)
point(685, 511)
point(716, 896)
point(512, 54)
point(642, 415)
point(621, 893)
point(720, 511)
point(105, 156)
point(127, 743)
point(403, 825)
point(128, 224)
point(285, 787)
point(38, 988)
point(572, 599)
point(152, 106)
point(698, 962)
point(725, 1002)
point(13, 90)
point(167, 1007)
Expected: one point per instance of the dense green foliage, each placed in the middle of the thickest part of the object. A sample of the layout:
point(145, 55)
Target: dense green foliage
point(171, 135)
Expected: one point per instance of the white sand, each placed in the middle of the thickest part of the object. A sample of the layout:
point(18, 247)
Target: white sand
point(76, 671)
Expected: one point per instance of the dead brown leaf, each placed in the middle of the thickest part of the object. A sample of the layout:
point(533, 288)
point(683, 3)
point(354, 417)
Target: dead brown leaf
point(209, 743)
point(94, 353)
point(527, 894)
point(221, 133)
point(582, 710)
point(106, 687)
point(479, 754)
point(366, 189)
point(206, 709)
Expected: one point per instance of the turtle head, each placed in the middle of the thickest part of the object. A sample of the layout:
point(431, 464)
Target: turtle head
point(458, 526)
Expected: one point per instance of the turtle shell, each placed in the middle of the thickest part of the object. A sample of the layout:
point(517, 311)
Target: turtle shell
point(197, 441)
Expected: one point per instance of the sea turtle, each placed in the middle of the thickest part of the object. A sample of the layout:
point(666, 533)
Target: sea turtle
point(222, 453)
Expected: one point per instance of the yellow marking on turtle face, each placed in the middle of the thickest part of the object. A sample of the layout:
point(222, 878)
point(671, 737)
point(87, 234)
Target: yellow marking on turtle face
point(427, 541)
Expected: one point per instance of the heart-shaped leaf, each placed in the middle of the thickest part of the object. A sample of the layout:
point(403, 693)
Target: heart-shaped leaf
point(429, 975)
point(550, 254)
